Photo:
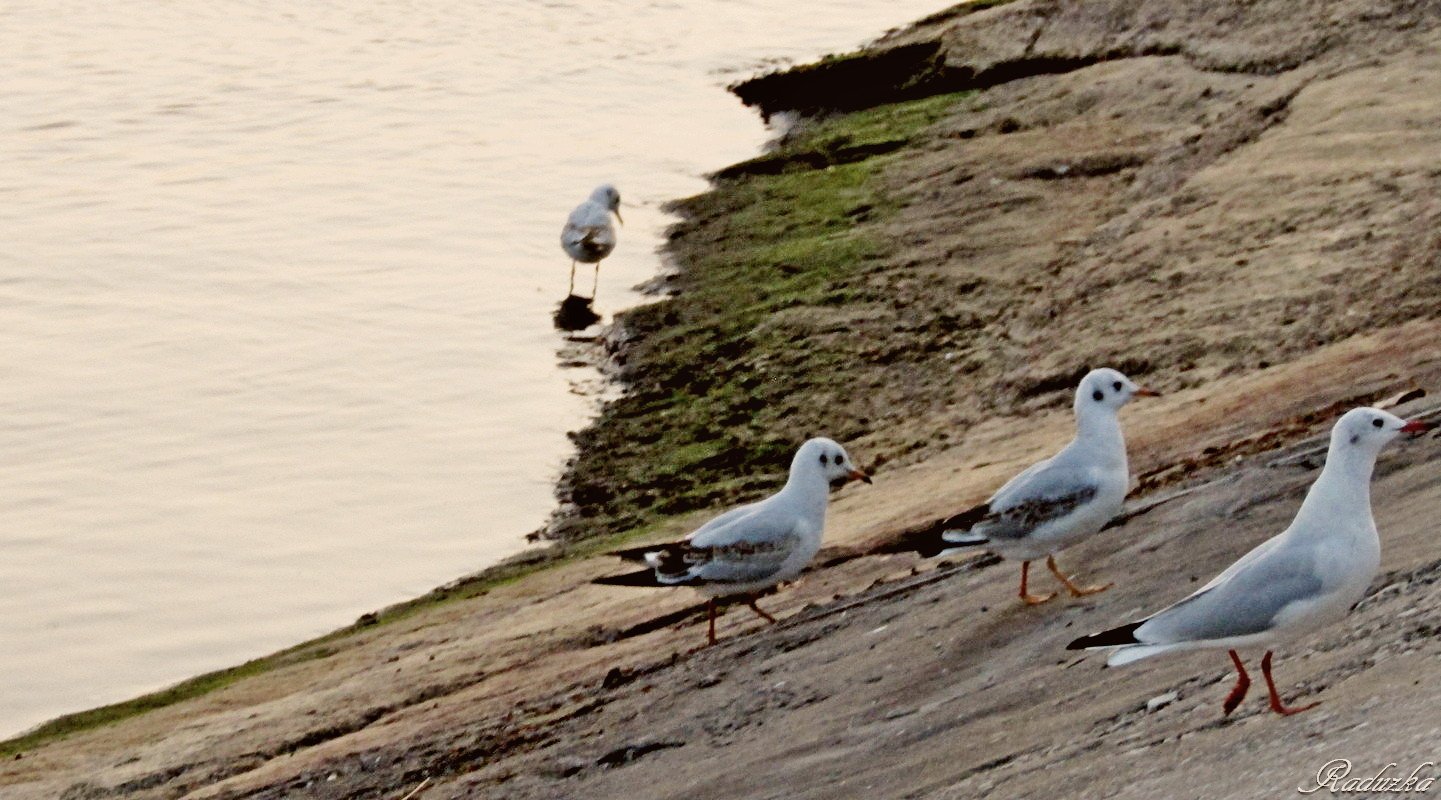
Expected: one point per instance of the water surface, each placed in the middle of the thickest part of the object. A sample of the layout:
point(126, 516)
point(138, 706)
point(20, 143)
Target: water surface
point(276, 284)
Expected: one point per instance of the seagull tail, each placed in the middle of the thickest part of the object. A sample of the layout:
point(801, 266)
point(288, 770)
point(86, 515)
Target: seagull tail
point(1123, 638)
point(1126, 655)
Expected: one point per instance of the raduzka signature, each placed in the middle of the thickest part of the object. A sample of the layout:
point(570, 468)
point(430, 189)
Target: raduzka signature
point(1335, 777)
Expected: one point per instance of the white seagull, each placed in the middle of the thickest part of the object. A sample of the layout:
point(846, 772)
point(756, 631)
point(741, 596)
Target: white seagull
point(1308, 576)
point(750, 549)
point(1057, 502)
point(588, 235)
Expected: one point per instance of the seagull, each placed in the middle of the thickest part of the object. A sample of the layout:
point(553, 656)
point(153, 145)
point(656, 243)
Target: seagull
point(750, 549)
point(1057, 502)
point(1308, 576)
point(588, 235)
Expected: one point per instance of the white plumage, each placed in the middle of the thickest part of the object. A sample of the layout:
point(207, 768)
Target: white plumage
point(588, 235)
point(752, 548)
point(1064, 499)
point(1308, 576)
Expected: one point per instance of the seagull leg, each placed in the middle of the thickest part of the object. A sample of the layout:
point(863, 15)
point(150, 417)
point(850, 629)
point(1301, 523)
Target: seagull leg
point(1243, 683)
point(710, 611)
point(1276, 704)
point(596, 284)
point(1076, 591)
point(768, 618)
point(1031, 599)
point(572, 279)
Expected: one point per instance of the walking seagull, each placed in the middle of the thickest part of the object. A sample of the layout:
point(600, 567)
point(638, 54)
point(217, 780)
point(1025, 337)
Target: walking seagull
point(1308, 576)
point(750, 549)
point(588, 235)
point(1057, 502)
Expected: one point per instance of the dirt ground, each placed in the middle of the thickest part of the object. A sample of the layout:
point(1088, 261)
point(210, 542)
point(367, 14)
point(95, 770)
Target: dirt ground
point(1237, 201)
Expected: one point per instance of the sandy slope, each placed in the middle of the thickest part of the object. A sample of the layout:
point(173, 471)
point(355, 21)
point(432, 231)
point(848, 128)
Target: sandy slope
point(1239, 199)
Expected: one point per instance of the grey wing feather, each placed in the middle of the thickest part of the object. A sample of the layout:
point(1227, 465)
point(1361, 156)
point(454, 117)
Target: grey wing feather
point(588, 232)
point(748, 547)
point(1043, 493)
point(1244, 602)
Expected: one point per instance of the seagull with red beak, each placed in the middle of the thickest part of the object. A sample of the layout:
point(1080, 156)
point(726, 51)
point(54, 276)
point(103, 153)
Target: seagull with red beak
point(1060, 501)
point(1308, 576)
point(750, 549)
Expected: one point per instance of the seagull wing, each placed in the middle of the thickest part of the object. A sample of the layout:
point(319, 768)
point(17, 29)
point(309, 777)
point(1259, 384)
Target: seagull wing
point(1046, 492)
point(1246, 599)
point(748, 547)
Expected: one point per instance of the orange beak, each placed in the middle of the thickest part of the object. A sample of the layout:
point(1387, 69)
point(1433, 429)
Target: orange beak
point(1415, 426)
point(857, 475)
point(1144, 392)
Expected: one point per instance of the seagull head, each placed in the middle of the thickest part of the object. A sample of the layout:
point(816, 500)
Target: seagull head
point(1370, 429)
point(1106, 388)
point(821, 456)
point(608, 196)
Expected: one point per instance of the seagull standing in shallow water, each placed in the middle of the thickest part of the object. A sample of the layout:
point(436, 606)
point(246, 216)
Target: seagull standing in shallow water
point(1057, 502)
point(1308, 576)
point(588, 235)
point(750, 549)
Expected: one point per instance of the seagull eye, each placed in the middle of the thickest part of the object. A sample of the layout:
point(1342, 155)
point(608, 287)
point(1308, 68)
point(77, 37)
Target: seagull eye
point(1116, 386)
point(1098, 396)
point(1376, 423)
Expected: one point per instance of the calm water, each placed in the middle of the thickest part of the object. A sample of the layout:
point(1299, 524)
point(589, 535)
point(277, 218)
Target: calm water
point(276, 280)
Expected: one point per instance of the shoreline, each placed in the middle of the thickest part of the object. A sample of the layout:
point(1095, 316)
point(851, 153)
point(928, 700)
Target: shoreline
point(924, 274)
point(608, 354)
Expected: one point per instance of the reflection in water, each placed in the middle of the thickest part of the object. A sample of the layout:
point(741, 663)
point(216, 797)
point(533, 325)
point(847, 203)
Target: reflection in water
point(575, 313)
point(276, 280)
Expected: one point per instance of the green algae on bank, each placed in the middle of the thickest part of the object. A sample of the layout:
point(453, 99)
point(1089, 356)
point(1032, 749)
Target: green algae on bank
point(749, 356)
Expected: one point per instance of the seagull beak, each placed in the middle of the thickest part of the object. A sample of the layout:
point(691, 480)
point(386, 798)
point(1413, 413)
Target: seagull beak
point(1415, 426)
point(857, 475)
point(616, 212)
point(1142, 391)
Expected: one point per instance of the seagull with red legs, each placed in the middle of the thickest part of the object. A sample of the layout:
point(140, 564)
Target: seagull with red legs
point(1058, 502)
point(1308, 576)
point(750, 549)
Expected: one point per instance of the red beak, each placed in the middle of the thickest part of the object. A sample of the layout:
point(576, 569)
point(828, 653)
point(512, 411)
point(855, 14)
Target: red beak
point(857, 475)
point(1415, 426)
point(1142, 391)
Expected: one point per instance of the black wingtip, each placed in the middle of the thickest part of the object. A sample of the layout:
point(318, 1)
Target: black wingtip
point(929, 541)
point(925, 541)
point(643, 577)
point(966, 519)
point(1115, 637)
